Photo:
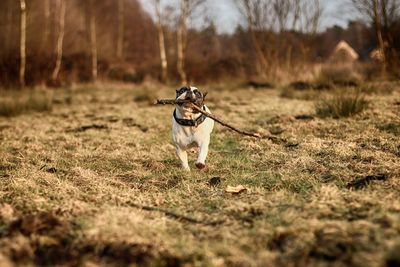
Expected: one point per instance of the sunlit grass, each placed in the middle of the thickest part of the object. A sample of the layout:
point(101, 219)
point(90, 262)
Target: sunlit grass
point(79, 192)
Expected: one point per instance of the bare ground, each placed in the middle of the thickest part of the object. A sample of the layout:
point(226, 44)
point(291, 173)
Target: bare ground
point(96, 182)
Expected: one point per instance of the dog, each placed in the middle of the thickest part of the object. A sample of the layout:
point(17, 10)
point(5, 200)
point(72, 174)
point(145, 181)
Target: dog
point(191, 129)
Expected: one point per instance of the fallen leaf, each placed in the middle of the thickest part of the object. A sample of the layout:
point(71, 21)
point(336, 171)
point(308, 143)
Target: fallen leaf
point(158, 201)
point(235, 189)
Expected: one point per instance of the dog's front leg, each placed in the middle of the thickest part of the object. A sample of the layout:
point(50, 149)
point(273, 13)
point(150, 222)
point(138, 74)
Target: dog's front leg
point(182, 155)
point(201, 159)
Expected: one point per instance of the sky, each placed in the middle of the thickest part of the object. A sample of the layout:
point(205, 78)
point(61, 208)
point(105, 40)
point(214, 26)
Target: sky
point(226, 16)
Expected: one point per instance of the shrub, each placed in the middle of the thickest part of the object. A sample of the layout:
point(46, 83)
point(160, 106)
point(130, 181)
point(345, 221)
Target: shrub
point(342, 104)
point(16, 103)
point(338, 75)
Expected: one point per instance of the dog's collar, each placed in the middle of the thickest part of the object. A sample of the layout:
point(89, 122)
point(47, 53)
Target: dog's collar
point(192, 123)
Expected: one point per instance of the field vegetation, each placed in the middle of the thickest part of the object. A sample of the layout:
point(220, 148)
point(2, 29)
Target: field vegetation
point(92, 179)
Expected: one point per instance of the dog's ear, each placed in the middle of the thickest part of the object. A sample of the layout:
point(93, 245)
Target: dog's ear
point(204, 95)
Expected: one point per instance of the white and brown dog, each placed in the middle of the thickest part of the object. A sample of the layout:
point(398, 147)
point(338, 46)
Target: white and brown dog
point(191, 129)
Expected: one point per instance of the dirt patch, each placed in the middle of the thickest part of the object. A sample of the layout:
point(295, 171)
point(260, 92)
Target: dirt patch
point(84, 128)
point(130, 122)
point(49, 238)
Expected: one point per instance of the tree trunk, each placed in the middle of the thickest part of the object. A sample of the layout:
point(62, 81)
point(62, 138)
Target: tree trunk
point(296, 13)
point(93, 40)
point(121, 26)
point(161, 42)
point(22, 44)
point(46, 34)
point(60, 39)
point(9, 29)
point(387, 32)
point(181, 41)
point(378, 30)
point(262, 60)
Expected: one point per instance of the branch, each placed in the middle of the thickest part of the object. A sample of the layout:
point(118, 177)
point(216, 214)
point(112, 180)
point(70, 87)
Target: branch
point(175, 215)
point(172, 101)
point(207, 114)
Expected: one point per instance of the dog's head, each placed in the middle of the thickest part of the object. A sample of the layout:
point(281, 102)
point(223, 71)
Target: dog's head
point(192, 94)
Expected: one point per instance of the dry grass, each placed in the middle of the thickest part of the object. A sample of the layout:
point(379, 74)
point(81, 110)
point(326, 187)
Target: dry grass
point(75, 197)
point(16, 103)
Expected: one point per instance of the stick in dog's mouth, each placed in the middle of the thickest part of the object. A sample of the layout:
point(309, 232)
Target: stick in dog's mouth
point(207, 114)
point(173, 101)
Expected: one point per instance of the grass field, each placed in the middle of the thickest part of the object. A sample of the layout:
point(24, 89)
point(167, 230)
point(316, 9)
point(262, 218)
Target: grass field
point(94, 180)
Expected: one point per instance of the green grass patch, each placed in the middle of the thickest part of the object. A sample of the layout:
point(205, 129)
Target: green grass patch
point(341, 104)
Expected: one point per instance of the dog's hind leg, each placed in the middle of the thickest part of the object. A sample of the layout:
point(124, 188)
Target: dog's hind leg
point(182, 155)
point(201, 159)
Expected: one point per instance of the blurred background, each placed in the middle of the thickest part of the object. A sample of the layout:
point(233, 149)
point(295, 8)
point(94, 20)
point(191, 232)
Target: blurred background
point(62, 42)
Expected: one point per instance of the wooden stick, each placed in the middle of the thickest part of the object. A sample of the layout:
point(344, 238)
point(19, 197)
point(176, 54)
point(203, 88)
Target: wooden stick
point(172, 101)
point(207, 114)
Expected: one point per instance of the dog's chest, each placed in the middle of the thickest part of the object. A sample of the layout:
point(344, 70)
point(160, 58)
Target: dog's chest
point(187, 137)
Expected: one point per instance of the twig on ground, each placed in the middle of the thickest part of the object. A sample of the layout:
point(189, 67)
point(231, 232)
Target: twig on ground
point(207, 114)
point(174, 215)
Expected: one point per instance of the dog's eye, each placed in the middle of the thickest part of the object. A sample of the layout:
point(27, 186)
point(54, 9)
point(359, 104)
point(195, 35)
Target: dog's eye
point(182, 90)
point(197, 93)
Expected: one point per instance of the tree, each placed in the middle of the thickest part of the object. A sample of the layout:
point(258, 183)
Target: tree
point(93, 39)
point(46, 34)
point(384, 15)
point(187, 8)
point(121, 26)
point(257, 14)
point(60, 39)
point(310, 15)
point(282, 10)
point(378, 29)
point(22, 44)
point(181, 41)
point(9, 24)
point(161, 42)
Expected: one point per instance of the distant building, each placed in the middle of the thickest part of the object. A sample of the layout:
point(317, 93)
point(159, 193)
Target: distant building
point(343, 54)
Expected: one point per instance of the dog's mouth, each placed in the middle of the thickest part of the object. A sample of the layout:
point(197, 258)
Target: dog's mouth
point(187, 106)
point(187, 102)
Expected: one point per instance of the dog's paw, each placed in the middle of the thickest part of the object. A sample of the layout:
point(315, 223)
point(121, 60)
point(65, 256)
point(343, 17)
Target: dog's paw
point(200, 165)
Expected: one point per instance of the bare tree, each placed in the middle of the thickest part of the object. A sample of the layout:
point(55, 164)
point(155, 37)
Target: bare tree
point(161, 42)
point(46, 33)
point(282, 10)
point(93, 39)
point(311, 13)
point(9, 24)
point(121, 26)
point(187, 8)
point(378, 30)
point(60, 39)
point(181, 41)
point(383, 14)
point(22, 44)
point(258, 17)
point(296, 10)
